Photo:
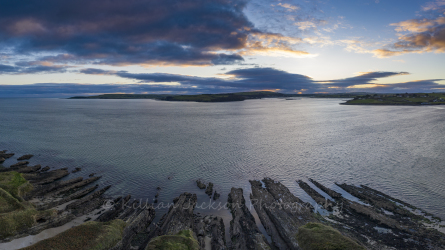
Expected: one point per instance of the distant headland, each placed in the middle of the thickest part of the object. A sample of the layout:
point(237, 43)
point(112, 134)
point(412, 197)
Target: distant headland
point(227, 97)
point(399, 99)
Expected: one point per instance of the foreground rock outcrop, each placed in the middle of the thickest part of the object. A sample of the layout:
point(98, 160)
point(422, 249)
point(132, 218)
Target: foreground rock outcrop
point(383, 222)
point(33, 200)
point(280, 212)
point(209, 230)
point(244, 232)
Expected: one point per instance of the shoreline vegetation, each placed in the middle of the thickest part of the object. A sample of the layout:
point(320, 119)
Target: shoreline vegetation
point(34, 199)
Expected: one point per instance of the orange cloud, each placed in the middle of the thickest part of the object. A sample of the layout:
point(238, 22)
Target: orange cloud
point(270, 43)
point(417, 36)
point(289, 7)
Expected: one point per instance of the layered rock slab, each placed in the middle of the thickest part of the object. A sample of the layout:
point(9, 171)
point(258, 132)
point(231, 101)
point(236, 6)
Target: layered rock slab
point(244, 232)
point(280, 212)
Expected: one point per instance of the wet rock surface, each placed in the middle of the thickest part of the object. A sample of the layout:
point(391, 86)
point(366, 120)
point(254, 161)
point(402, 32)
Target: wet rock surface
point(319, 199)
point(76, 170)
point(180, 215)
point(209, 189)
point(29, 169)
point(46, 177)
point(25, 157)
point(376, 227)
point(210, 232)
point(244, 232)
point(280, 212)
point(216, 196)
point(19, 164)
point(45, 169)
point(5, 155)
point(200, 184)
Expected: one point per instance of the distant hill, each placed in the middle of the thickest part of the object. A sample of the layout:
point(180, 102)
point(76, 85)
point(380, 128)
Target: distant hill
point(227, 97)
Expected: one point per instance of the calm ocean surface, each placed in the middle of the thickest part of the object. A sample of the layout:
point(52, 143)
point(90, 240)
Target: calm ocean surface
point(138, 145)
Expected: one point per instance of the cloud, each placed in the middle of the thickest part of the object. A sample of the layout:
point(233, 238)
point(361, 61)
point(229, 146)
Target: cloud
point(363, 78)
point(32, 68)
point(246, 79)
point(289, 7)
point(435, 5)
point(250, 79)
point(272, 44)
point(240, 79)
point(72, 89)
point(418, 35)
point(306, 25)
point(429, 85)
point(128, 32)
point(152, 32)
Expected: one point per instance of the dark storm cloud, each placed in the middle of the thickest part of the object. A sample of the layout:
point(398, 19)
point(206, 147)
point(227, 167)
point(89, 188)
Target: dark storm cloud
point(249, 79)
point(127, 32)
point(270, 78)
point(74, 89)
point(364, 78)
point(30, 69)
point(274, 79)
point(7, 69)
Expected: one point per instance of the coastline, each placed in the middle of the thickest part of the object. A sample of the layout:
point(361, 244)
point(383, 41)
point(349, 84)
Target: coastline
point(281, 213)
point(391, 104)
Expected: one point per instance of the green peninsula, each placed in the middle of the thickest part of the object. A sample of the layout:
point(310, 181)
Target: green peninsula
point(399, 99)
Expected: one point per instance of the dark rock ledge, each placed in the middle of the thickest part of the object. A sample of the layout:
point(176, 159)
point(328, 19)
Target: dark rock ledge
point(377, 222)
point(244, 233)
point(45, 200)
point(25, 157)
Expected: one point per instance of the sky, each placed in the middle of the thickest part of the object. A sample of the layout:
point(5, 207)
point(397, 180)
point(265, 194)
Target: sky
point(53, 48)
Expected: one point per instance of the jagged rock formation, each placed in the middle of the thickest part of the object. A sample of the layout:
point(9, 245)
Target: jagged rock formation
point(208, 229)
point(5, 155)
point(43, 203)
point(76, 170)
point(384, 222)
point(19, 164)
point(216, 196)
point(200, 184)
point(319, 199)
point(46, 177)
point(49, 199)
point(244, 233)
point(180, 215)
point(24, 157)
point(280, 212)
point(45, 169)
point(209, 189)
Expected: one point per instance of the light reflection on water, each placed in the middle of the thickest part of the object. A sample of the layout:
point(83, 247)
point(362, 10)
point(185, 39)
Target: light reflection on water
point(138, 145)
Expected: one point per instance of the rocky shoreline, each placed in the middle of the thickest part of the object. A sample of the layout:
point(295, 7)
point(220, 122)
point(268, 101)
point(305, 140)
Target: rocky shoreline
point(52, 199)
